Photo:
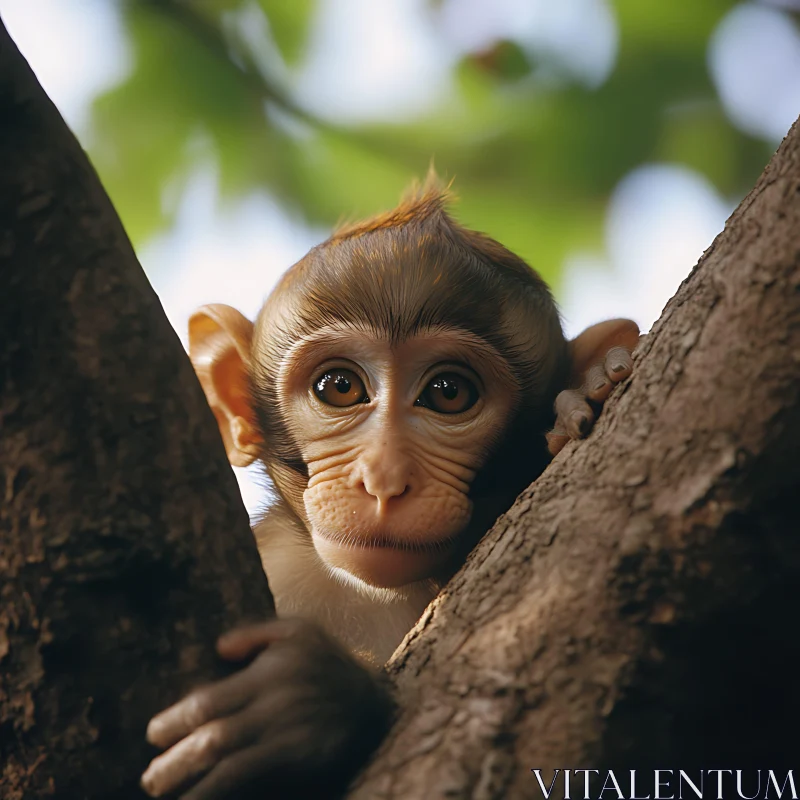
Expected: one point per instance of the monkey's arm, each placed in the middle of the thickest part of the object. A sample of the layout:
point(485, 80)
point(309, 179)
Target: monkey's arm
point(601, 358)
point(301, 716)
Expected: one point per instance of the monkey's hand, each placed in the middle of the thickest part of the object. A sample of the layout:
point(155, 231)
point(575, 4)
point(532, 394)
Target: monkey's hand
point(301, 717)
point(601, 359)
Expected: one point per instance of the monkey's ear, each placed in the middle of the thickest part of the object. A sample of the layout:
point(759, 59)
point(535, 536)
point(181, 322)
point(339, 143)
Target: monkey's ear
point(597, 345)
point(220, 339)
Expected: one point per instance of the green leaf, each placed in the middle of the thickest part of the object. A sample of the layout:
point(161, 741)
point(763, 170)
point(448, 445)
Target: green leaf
point(290, 21)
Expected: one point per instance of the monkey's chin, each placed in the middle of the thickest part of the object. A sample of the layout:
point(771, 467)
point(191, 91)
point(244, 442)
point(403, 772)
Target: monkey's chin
point(385, 565)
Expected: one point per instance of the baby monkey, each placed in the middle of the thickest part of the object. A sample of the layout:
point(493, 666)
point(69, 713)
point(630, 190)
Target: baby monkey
point(398, 385)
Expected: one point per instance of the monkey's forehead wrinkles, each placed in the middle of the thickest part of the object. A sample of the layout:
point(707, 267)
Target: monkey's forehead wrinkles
point(364, 337)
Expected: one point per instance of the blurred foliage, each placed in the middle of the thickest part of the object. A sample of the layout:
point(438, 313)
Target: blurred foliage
point(534, 160)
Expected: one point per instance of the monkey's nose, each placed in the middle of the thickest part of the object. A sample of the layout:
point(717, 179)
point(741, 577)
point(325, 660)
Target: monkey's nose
point(386, 491)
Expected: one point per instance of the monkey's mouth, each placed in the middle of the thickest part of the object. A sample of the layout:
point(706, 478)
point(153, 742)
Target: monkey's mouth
point(368, 540)
point(382, 559)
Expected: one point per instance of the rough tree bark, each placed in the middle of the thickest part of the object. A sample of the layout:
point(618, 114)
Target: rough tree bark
point(638, 606)
point(124, 546)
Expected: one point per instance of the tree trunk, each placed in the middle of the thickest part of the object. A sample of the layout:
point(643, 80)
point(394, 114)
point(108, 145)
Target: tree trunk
point(638, 606)
point(124, 545)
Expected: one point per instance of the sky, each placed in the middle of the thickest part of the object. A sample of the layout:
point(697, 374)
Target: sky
point(660, 218)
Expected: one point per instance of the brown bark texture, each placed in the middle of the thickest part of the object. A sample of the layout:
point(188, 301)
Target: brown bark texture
point(124, 546)
point(638, 606)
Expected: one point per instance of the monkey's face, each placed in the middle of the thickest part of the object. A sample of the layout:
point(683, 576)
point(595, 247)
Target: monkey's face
point(392, 436)
point(397, 374)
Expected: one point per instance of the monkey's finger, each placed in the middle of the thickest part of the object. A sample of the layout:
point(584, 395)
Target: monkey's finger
point(556, 439)
point(240, 770)
point(244, 642)
point(598, 386)
point(619, 364)
point(198, 753)
point(574, 414)
point(230, 775)
point(201, 706)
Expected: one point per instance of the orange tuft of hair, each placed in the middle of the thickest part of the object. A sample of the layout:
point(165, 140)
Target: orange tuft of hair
point(421, 201)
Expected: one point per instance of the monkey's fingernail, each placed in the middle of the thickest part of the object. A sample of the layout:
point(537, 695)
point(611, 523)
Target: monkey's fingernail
point(617, 367)
point(598, 386)
point(581, 422)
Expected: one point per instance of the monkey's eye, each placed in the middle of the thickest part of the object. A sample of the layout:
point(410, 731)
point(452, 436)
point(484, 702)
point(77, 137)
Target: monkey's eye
point(340, 387)
point(448, 393)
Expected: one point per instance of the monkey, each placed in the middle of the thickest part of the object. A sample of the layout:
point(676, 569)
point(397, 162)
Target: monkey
point(401, 385)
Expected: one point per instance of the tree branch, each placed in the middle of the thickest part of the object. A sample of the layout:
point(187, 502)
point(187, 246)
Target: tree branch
point(238, 60)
